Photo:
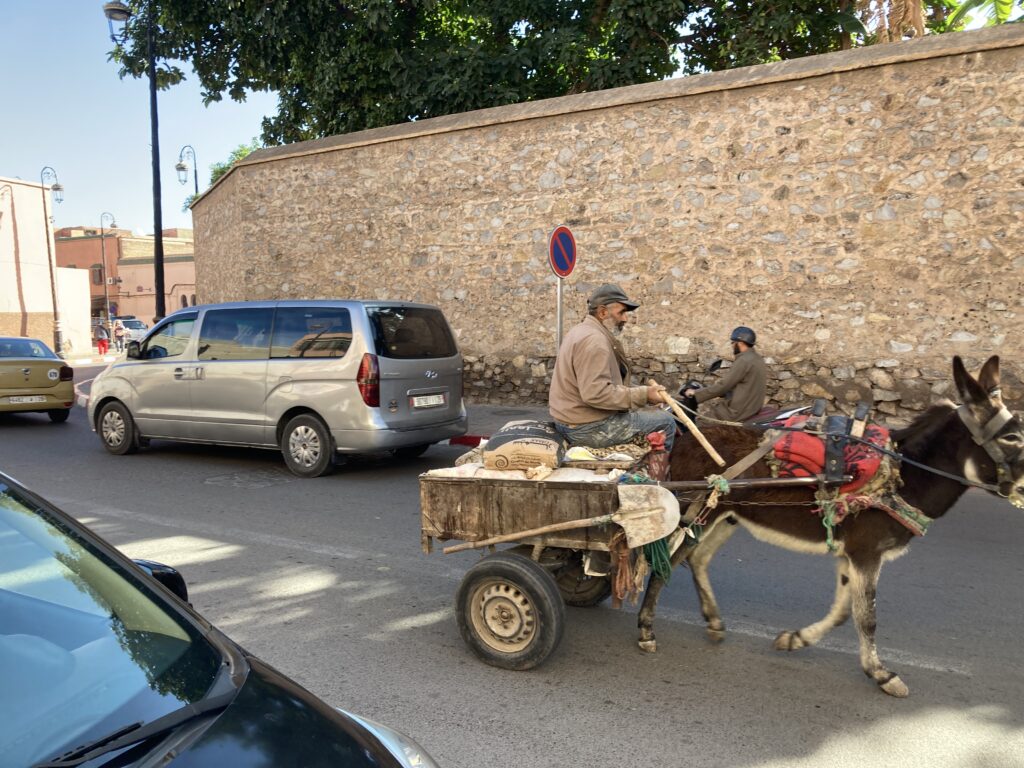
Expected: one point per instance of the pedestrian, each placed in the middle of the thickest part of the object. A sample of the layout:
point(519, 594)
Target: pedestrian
point(119, 334)
point(591, 399)
point(742, 389)
point(102, 339)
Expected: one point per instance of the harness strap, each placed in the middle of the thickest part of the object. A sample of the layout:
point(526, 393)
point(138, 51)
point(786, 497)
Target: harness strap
point(737, 469)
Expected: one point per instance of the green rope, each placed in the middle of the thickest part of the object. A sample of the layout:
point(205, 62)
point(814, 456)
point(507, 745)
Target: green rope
point(657, 556)
point(718, 483)
point(828, 518)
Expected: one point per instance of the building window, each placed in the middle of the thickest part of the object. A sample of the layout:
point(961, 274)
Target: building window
point(184, 300)
point(193, 299)
point(97, 274)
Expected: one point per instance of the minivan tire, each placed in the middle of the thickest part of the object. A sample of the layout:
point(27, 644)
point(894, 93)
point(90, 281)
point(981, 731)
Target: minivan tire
point(59, 416)
point(117, 429)
point(307, 446)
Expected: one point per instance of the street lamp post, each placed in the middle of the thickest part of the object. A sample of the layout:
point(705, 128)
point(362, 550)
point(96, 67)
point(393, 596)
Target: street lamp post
point(119, 12)
point(103, 259)
point(182, 168)
point(49, 176)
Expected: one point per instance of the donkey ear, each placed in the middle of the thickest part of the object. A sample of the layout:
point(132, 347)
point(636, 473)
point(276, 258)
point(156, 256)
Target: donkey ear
point(989, 379)
point(971, 391)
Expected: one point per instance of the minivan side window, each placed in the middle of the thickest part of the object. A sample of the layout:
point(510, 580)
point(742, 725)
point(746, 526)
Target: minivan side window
point(235, 334)
point(311, 332)
point(170, 340)
point(411, 332)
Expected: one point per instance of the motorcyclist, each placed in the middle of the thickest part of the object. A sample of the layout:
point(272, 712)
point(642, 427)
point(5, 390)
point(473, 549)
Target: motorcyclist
point(741, 391)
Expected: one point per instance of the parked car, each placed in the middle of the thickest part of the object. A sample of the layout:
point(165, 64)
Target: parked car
point(135, 329)
point(33, 379)
point(102, 664)
point(310, 378)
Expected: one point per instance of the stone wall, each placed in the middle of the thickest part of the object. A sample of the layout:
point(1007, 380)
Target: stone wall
point(863, 211)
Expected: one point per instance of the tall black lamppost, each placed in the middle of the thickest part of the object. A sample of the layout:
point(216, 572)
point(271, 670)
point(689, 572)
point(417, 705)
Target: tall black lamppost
point(49, 176)
point(119, 12)
point(103, 259)
point(182, 168)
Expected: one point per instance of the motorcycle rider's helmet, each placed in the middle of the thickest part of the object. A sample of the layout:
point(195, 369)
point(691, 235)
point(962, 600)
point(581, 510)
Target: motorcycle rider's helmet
point(744, 334)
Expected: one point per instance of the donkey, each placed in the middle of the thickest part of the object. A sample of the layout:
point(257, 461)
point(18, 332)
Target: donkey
point(980, 443)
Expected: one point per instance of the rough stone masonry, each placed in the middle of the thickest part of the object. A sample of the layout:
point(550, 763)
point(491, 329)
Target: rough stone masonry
point(862, 210)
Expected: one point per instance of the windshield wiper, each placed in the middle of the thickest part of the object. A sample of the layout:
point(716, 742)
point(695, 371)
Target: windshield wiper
point(136, 732)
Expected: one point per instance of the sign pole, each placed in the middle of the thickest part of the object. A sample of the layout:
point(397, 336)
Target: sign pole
point(558, 318)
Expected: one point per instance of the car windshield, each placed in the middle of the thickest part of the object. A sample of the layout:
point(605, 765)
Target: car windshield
point(25, 348)
point(85, 648)
point(137, 325)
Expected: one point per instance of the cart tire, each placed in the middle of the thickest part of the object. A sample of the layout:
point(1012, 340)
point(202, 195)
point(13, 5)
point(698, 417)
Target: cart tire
point(510, 612)
point(580, 590)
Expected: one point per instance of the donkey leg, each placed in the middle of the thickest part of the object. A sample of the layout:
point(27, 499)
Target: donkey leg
point(720, 531)
point(863, 587)
point(645, 618)
point(792, 640)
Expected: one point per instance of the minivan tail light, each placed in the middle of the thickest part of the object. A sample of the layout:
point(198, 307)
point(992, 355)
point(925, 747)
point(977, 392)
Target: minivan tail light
point(67, 373)
point(368, 380)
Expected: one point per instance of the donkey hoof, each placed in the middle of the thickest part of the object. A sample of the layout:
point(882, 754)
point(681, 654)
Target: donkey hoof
point(648, 646)
point(895, 687)
point(715, 635)
point(789, 641)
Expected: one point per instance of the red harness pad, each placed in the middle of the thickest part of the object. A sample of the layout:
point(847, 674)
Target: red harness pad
point(802, 455)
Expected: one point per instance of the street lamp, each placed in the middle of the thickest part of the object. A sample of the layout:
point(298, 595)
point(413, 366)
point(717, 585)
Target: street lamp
point(103, 260)
point(119, 12)
point(49, 176)
point(182, 168)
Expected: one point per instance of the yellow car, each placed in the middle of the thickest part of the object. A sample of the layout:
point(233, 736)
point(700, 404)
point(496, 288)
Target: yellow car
point(33, 379)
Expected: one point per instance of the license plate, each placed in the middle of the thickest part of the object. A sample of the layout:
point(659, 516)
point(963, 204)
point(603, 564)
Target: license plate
point(27, 399)
point(427, 401)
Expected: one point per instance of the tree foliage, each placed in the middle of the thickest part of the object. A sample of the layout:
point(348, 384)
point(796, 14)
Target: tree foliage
point(338, 67)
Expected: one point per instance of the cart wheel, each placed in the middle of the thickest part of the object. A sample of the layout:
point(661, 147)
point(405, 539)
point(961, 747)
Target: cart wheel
point(509, 611)
point(578, 589)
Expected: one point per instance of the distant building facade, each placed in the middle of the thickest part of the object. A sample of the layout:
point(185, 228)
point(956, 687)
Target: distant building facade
point(122, 263)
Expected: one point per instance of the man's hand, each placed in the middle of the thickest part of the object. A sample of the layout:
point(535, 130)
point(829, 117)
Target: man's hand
point(689, 393)
point(654, 394)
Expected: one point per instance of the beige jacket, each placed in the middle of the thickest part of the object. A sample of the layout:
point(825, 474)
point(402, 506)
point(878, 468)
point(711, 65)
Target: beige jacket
point(589, 381)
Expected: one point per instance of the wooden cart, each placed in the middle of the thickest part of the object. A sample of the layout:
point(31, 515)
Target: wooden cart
point(510, 605)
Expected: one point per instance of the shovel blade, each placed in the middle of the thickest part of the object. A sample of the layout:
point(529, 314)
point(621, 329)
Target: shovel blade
point(646, 513)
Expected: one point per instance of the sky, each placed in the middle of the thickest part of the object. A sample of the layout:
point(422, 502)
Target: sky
point(63, 106)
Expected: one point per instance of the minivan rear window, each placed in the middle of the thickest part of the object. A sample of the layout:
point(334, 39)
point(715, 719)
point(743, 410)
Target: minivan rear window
point(311, 332)
point(411, 332)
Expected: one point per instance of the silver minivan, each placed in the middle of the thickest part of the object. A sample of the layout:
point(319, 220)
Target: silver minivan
point(311, 378)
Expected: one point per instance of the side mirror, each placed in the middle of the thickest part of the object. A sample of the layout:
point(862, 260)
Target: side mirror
point(133, 350)
point(166, 576)
point(715, 365)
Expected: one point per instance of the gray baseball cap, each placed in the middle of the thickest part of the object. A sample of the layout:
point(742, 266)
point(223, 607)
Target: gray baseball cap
point(609, 293)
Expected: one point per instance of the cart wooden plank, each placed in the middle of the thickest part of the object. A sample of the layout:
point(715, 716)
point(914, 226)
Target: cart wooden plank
point(472, 509)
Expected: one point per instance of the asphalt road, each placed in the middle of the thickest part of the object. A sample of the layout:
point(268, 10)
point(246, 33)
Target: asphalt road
point(325, 579)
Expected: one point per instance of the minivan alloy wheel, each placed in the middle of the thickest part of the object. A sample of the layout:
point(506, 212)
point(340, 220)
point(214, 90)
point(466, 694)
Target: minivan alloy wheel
point(304, 444)
point(112, 428)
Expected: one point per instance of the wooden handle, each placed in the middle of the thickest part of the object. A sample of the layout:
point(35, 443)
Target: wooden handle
point(568, 525)
point(681, 415)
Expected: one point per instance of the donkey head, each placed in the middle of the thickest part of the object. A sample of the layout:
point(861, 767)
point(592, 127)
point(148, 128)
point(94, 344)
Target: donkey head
point(994, 428)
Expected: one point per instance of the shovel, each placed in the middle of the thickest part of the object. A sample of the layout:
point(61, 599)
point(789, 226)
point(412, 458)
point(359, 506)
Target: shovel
point(646, 513)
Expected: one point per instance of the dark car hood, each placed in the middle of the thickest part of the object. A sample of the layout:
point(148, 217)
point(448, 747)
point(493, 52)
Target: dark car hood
point(275, 722)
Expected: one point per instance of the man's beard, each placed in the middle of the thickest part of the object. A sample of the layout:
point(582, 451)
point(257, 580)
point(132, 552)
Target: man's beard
point(614, 328)
point(735, 349)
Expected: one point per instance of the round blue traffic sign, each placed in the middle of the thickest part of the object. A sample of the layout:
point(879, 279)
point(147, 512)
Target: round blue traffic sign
point(562, 252)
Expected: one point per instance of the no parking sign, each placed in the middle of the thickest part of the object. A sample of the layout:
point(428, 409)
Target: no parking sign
point(562, 258)
point(562, 252)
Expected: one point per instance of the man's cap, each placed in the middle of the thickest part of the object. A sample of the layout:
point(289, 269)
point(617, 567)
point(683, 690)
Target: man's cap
point(610, 293)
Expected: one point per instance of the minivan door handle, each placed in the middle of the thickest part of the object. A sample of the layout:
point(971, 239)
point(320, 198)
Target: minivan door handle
point(197, 372)
point(180, 373)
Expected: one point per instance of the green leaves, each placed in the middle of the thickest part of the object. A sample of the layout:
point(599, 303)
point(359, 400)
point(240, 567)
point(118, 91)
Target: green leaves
point(342, 67)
